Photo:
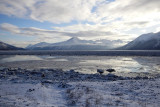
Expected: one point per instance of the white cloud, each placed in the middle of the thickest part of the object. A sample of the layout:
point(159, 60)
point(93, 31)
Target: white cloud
point(10, 28)
point(130, 10)
point(157, 29)
point(56, 11)
point(110, 20)
point(56, 36)
point(128, 13)
point(124, 15)
point(41, 34)
point(60, 11)
point(18, 8)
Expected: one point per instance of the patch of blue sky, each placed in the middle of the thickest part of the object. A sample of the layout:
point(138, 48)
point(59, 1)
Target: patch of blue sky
point(20, 22)
point(111, 0)
point(107, 1)
point(99, 3)
point(94, 9)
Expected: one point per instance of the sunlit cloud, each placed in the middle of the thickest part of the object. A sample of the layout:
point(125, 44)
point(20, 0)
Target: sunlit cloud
point(56, 11)
point(52, 34)
point(94, 19)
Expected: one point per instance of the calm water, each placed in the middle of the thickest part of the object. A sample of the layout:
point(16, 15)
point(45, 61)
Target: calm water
point(85, 64)
point(84, 52)
point(15, 58)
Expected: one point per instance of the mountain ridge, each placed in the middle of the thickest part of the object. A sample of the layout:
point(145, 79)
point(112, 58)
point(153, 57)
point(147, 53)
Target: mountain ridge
point(75, 43)
point(5, 46)
point(149, 41)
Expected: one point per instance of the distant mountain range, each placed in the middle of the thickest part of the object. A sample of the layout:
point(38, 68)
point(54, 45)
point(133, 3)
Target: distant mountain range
point(5, 46)
point(76, 44)
point(150, 41)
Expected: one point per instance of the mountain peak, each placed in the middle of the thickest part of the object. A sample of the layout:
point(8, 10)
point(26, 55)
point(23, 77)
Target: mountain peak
point(41, 44)
point(74, 38)
point(149, 41)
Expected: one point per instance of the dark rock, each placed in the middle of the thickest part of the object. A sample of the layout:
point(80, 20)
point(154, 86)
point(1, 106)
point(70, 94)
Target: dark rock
point(145, 78)
point(30, 90)
point(35, 73)
point(111, 70)
point(100, 71)
point(112, 77)
point(27, 104)
point(63, 85)
point(19, 69)
point(42, 75)
point(50, 69)
point(137, 77)
point(47, 81)
point(71, 71)
point(9, 73)
point(5, 69)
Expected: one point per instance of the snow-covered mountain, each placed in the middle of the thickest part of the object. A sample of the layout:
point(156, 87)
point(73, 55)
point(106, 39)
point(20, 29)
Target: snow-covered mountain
point(150, 41)
point(4, 46)
point(73, 41)
point(41, 44)
point(76, 44)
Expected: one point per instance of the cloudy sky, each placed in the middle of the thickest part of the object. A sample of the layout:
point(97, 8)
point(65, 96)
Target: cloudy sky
point(24, 22)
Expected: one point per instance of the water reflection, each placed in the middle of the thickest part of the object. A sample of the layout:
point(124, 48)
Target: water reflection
point(125, 64)
point(149, 63)
point(5, 59)
point(85, 64)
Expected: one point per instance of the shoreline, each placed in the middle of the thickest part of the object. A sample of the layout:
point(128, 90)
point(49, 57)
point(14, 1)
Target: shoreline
point(13, 74)
point(55, 87)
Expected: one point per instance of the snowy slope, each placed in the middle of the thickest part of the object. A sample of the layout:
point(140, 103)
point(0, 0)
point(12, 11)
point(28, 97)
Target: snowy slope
point(4, 46)
point(41, 44)
point(150, 41)
point(77, 44)
point(72, 41)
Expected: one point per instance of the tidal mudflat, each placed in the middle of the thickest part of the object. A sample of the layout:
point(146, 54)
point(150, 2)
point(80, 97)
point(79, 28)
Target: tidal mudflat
point(61, 81)
point(85, 64)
